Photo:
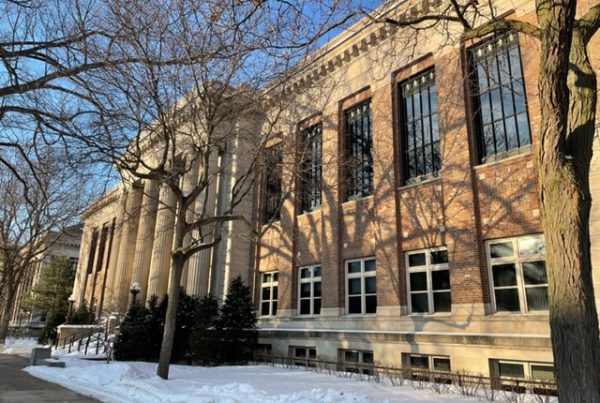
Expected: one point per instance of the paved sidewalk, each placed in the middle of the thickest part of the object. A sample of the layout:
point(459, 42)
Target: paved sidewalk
point(18, 386)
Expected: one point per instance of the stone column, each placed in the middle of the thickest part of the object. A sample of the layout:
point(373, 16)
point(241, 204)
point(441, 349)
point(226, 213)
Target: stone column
point(189, 183)
point(199, 264)
point(163, 244)
point(81, 275)
point(109, 291)
point(145, 238)
point(124, 266)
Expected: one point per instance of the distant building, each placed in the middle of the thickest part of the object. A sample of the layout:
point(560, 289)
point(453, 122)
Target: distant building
point(55, 244)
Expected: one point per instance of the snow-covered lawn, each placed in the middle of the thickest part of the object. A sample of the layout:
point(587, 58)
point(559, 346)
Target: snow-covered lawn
point(137, 382)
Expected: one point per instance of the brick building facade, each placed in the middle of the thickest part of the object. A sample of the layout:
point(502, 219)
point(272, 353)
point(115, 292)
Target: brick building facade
point(424, 246)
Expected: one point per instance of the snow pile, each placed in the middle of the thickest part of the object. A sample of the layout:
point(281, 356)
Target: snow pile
point(19, 346)
point(137, 382)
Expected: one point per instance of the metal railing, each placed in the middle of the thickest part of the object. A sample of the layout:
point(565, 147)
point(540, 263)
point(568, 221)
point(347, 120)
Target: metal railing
point(467, 384)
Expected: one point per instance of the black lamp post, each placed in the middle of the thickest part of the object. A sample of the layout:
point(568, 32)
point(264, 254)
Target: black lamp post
point(134, 290)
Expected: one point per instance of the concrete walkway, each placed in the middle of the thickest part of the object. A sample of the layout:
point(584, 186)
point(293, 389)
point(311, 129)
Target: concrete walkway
point(17, 386)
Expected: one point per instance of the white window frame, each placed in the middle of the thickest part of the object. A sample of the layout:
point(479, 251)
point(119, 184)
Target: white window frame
point(310, 280)
point(304, 360)
point(271, 284)
point(518, 261)
point(359, 366)
point(427, 268)
point(362, 275)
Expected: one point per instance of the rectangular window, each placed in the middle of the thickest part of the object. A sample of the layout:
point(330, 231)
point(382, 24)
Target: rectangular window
point(518, 274)
point(420, 129)
point(434, 368)
point(268, 294)
point(310, 180)
point(357, 361)
point(304, 356)
point(429, 281)
point(358, 160)
point(521, 376)
point(309, 290)
point(499, 96)
point(273, 171)
point(361, 286)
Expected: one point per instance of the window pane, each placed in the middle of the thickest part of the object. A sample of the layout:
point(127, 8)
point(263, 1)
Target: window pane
point(370, 265)
point(537, 298)
point(367, 358)
point(305, 273)
point(507, 300)
point(274, 307)
point(354, 267)
point(317, 271)
point(312, 353)
point(418, 281)
point(504, 275)
point(531, 246)
point(440, 279)
point(305, 290)
point(542, 372)
point(300, 352)
point(266, 278)
point(371, 304)
point(419, 362)
point(511, 370)
point(275, 276)
point(416, 259)
point(441, 364)
point(439, 257)
point(266, 293)
point(370, 285)
point(534, 273)
point(354, 287)
point(523, 125)
point(317, 289)
point(354, 305)
point(305, 307)
point(264, 308)
point(501, 249)
point(351, 356)
point(442, 302)
point(317, 306)
point(275, 292)
point(419, 303)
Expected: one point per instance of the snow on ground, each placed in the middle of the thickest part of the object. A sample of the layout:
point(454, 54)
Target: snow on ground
point(19, 346)
point(137, 382)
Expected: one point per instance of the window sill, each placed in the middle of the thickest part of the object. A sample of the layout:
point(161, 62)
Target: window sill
point(313, 210)
point(539, 313)
point(413, 184)
point(429, 315)
point(302, 317)
point(360, 315)
point(357, 198)
point(505, 156)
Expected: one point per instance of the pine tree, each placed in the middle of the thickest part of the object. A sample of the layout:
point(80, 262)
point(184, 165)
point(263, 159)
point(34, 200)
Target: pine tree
point(204, 341)
point(238, 324)
point(50, 294)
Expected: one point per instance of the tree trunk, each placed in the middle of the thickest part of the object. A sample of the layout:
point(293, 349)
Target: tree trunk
point(177, 266)
point(6, 311)
point(564, 155)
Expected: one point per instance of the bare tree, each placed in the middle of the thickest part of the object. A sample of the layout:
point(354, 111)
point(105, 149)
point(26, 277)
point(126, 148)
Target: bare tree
point(197, 123)
point(29, 209)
